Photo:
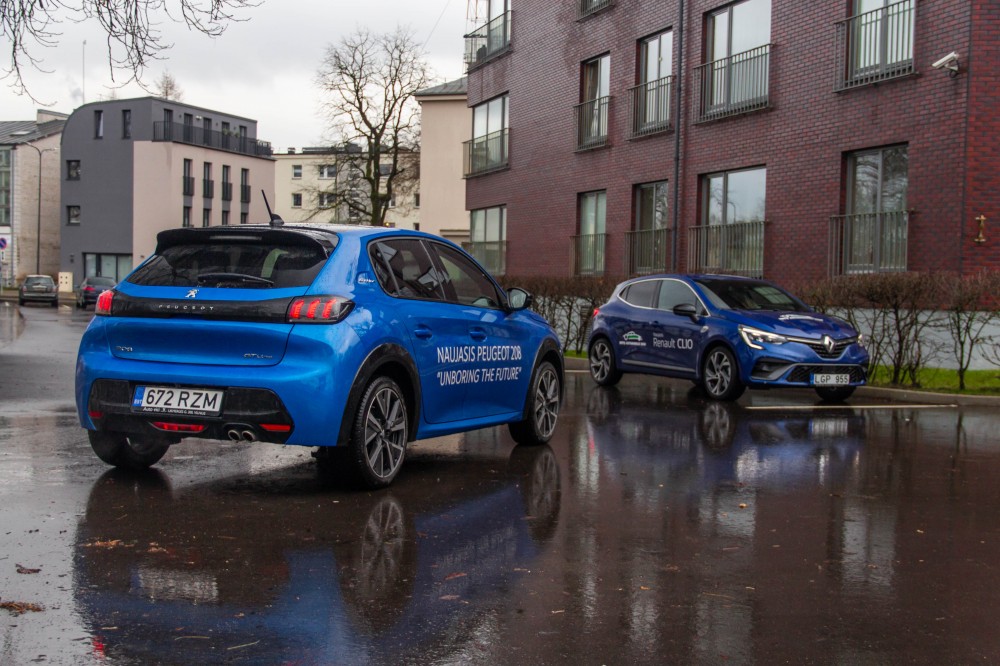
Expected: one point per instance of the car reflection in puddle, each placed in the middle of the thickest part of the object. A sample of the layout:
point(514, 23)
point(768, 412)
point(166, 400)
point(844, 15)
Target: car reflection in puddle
point(280, 567)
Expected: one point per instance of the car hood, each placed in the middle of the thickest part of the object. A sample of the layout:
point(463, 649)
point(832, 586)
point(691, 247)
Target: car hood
point(798, 324)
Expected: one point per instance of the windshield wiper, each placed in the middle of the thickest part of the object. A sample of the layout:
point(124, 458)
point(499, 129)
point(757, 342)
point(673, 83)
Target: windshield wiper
point(233, 277)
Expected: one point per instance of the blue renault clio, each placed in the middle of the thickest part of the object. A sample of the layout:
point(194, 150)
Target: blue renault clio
point(725, 334)
point(358, 340)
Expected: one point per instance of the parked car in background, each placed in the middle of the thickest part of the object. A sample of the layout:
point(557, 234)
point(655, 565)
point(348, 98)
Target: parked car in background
point(725, 334)
point(38, 289)
point(91, 288)
point(355, 339)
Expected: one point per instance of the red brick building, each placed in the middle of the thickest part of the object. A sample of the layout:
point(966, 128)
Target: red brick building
point(807, 139)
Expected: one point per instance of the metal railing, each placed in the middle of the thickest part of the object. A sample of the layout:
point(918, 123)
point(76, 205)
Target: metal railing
point(869, 242)
point(491, 254)
point(592, 123)
point(187, 185)
point(199, 136)
point(207, 188)
point(487, 41)
point(732, 249)
point(245, 193)
point(876, 45)
point(647, 251)
point(650, 102)
point(486, 153)
point(734, 85)
point(227, 191)
point(588, 254)
point(588, 7)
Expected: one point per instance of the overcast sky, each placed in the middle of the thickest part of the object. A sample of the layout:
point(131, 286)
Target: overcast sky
point(263, 68)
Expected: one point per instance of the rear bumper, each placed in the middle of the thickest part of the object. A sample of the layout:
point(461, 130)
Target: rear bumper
point(39, 296)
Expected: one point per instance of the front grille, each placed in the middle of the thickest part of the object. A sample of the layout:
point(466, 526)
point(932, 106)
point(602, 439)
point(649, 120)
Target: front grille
point(838, 347)
point(801, 374)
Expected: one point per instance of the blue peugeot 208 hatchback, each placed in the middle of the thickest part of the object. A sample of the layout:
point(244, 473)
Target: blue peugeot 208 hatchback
point(355, 339)
point(725, 334)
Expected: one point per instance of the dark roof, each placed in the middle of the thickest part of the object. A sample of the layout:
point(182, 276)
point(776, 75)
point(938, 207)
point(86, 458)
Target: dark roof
point(456, 87)
point(13, 132)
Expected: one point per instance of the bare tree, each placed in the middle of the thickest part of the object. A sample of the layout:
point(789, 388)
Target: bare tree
point(167, 87)
point(369, 81)
point(132, 38)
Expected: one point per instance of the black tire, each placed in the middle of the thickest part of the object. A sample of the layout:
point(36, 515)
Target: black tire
point(720, 375)
point(544, 399)
point(55, 303)
point(379, 435)
point(80, 304)
point(128, 451)
point(835, 393)
point(20, 302)
point(603, 367)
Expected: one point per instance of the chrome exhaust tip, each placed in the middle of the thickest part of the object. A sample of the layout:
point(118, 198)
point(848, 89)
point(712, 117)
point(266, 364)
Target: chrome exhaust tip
point(233, 434)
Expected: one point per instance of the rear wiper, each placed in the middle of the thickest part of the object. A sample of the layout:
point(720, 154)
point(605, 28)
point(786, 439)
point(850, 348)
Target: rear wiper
point(233, 277)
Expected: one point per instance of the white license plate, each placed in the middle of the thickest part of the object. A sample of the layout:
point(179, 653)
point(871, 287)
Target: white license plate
point(831, 380)
point(173, 400)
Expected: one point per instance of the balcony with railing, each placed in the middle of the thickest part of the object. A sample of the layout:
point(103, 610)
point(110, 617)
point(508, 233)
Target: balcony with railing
point(187, 185)
point(647, 251)
point(868, 242)
point(588, 254)
point(487, 41)
point(731, 249)
point(588, 7)
point(227, 191)
point(207, 188)
point(492, 255)
point(199, 136)
point(876, 45)
point(245, 193)
point(486, 154)
point(592, 123)
point(650, 107)
point(734, 85)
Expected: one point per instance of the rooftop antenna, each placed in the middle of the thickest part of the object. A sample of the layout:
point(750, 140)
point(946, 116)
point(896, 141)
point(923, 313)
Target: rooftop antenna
point(275, 219)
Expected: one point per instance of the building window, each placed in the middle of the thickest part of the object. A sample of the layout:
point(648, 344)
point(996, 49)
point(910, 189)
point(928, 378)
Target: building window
point(487, 151)
point(875, 43)
point(225, 218)
point(206, 217)
point(327, 171)
point(72, 169)
point(126, 124)
point(647, 246)
point(72, 215)
point(206, 131)
point(186, 217)
point(588, 7)
point(650, 99)
point(384, 170)
point(114, 266)
point(187, 180)
point(416, 200)
point(392, 201)
point(296, 171)
point(730, 238)
point(297, 200)
point(207, 184)
point(98, 124)
point(589, 244)
point(489, 40)
point(245, 185)
point(326, 199)
point(735, 77)
point(872, 237)
point(6, 186)
point(592, 112)
point(243, 218)
point(488, 238)
point(227, 185)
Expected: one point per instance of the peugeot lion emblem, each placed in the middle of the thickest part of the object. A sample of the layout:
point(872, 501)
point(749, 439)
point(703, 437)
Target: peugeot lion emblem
point(193, 293)
point(828, 344)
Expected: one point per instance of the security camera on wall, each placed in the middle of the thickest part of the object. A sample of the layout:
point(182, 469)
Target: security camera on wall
point(949, 62)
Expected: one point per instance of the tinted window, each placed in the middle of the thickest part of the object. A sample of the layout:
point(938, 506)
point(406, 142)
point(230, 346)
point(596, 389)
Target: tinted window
point(100, 281)
point(38, 279)
point(404, 269)
point(641, 293)
point(464, 281)
point(750, 295)
point(673, 293)
point(232, 264)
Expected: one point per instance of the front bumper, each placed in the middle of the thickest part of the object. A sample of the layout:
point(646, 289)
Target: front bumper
point(794, 364)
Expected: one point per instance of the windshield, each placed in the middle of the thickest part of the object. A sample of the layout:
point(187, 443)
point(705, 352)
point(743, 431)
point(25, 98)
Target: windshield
point(38, 279)
point(234, 265)
point(750, 295)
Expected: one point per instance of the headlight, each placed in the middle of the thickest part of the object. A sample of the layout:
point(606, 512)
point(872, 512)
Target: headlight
point(755, 337)
point(861, 341)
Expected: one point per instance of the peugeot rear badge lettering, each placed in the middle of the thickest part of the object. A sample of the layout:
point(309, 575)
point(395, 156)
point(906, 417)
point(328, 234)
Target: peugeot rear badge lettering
point(192, 293)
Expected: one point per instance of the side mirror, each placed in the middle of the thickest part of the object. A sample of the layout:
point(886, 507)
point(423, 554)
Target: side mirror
point(519, 299)
point(686, 310)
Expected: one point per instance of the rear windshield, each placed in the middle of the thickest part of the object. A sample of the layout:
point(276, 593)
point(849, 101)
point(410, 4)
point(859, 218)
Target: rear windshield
point(233, 265)
point(102, 281)
point(37, 279)
point(749, 295)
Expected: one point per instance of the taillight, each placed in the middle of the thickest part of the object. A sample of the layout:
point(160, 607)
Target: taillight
point(319, 309)
point(596, 312)
point(88, 288)
point(103, 306)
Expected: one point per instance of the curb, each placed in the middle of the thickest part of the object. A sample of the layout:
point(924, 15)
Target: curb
point(892, 394)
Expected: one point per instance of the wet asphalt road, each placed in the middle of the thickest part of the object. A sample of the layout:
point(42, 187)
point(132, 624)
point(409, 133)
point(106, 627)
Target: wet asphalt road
point(655, 528)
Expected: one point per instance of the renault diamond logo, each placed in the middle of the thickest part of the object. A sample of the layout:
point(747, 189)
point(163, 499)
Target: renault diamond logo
point(828, 344)
point(193, 293)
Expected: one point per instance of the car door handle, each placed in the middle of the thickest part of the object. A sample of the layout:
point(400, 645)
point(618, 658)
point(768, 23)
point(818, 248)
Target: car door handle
point(477, 334)
point(423, 332)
